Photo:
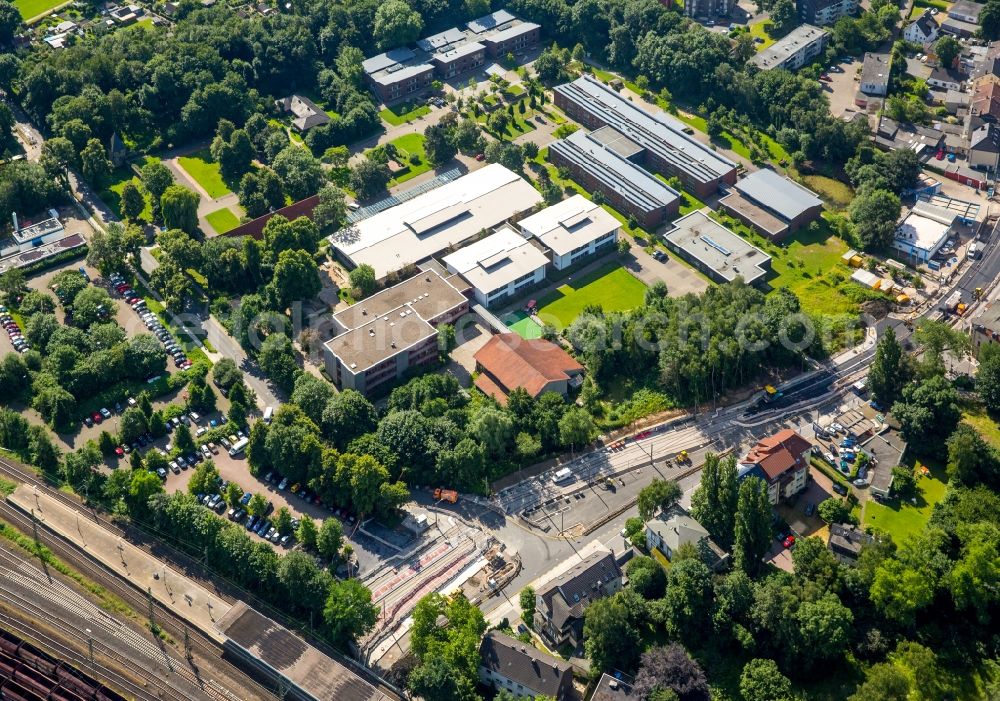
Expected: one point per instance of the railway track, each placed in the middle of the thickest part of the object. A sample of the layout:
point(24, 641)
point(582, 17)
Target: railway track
point(199, 644)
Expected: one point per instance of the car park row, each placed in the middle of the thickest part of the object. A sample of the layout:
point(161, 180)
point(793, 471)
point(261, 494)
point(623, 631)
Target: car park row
point(14, 332)
point(151, 321)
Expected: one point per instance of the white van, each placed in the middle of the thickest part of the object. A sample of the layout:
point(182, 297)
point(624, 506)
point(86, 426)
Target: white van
point(563, 475)
point(238, 447)
point(973, 250)
point(268, 413)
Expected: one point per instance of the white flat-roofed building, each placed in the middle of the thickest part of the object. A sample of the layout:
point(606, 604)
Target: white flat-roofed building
point(429, 224)
point(922, 232)
point(499, 266)
point(715, 250)
point(572, 230)
point(794, 50)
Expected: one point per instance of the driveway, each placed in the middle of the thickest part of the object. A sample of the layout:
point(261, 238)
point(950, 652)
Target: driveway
point(679, 278)
point(842, 88)
point(818, 488)
point(470, 336)
point(227, 346)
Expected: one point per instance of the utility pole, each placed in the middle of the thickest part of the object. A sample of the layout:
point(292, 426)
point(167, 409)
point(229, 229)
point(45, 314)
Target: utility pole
point(187, 643)
point(149, 596)
point(90, 646)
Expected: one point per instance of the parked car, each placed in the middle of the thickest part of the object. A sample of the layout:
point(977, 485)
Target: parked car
point(789, 541)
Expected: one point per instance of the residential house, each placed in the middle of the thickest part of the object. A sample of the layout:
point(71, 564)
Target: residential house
point(706, 9)
point(508, 361)
point(823, 13)
point(307, 113)
point(561, 602)
point(923, 30)
point(985, 326)
point(506, 663)
point(612, 688)
point(875, 74)
point(946, 78)
point(797, 48)
point(891, 135)
point(985, 100)
point(846, 541)
point(676, 528)
point(782, 461)
point(984, 147)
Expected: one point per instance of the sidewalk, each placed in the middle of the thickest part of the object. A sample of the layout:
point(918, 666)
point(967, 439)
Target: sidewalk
point(184, 597)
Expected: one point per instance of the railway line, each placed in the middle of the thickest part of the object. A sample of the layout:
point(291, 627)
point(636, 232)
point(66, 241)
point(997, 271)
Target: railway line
point(200, 645)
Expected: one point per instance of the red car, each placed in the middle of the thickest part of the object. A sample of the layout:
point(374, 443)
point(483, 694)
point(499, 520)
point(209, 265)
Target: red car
point(480, 156)
point(789, 541)
point(939, 155)
point(119, 451)
point(96, 416)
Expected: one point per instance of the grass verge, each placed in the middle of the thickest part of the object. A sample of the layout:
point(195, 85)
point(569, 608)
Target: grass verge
point(204, 171)
point(401, 114)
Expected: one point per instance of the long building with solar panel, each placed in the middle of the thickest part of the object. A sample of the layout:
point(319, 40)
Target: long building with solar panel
point(663, 145)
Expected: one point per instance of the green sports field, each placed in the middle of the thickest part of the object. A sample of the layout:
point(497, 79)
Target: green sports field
point(33, 8)
point(610, 286)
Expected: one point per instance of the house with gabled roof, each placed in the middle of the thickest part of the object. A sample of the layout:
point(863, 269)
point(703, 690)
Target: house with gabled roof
point(522, 669)
point(782, 461)
point(561, 603)
point(508, 361)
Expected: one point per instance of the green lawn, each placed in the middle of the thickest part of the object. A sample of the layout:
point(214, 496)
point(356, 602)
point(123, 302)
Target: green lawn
point(410, 145)
point(904, 519)
point(146, 22)
point(222, 220)
point(401, 114)
point(832, 191)
point(610, 286)
point(760, 30)
point(200, 166)
point(112, 192)
point(976, 416)
point(939, 4)
point(33, 8)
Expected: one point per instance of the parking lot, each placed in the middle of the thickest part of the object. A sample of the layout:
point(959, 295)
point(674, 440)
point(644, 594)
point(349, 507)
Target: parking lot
point(842, 87)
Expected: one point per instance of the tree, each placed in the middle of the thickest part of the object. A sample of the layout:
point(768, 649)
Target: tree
point(988, 377)
point(439, 144)
point(348, 415)
point(257, 505)
point(114, 248)
point(349, 612)
point(935, 338)
point(301, 174)
point(132, 425)
point(834, 510)
point(783, 16)
point(713, 503)
point(363, 280)
point(761, 680)
point(824, 629)
point(296, 279)
point(884, 681)
point(369, 177)
point(527, 601)
point(179, 208)
point(58, 155)
point(971, 460)
point(132, 201)
point(904, 482)
point(283, 521)
point(94, 162)
point(989, 21)
point(493, 428)
point(972, 580)
point(947, 50)
point(10, 21)
point(277, 360)
point(331, 211)
point(752, 528)
point(330, 539)
point(233, 495)
point(658, 495)
point(91, 305)
point(899, 591)
point(928, 413)
point(670, 668)
point(307, 533)
point(576, 427)
point(142, 487)
point(611, 637)
point(646, 577)
point(183, 441)
point(12, 284)
point(874, 214)
point(204, 479)
point(887, 375)
point(396, 24)
point(156, 178)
